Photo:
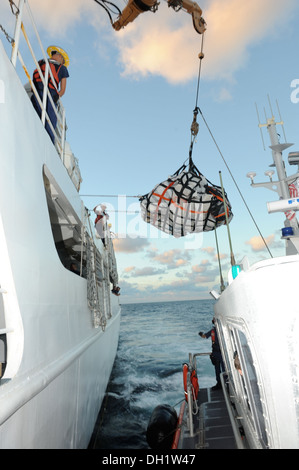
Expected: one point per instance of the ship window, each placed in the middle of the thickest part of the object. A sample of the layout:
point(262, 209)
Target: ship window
point(3, 344)
point(222, 343)
point(238, 370)
point(250, 377)
point(66, 227)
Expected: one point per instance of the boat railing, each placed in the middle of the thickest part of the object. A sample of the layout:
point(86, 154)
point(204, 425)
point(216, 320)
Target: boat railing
point(229, 397)
point(192, 403)
point(60, 131)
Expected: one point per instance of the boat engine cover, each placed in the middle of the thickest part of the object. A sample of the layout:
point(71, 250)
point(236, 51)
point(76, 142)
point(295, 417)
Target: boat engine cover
point(161, 427)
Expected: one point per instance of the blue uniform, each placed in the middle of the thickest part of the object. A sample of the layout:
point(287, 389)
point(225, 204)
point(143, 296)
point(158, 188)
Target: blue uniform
point(216, 354)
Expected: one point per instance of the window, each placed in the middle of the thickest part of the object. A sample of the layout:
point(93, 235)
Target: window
point(251, 383)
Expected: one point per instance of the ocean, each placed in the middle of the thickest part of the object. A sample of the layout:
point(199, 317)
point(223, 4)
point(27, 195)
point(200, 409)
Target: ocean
point(155, 340)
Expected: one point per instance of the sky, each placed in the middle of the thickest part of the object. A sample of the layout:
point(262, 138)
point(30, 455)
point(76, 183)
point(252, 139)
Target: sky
point(129, 105)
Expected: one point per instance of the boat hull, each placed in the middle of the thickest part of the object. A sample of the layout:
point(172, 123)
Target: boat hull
point(257, 317)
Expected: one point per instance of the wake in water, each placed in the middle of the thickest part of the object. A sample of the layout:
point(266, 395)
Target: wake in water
point(155, 341)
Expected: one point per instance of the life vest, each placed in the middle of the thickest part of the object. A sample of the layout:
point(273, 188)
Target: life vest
point(99, 217)
point(37, 78)
point(213, 336)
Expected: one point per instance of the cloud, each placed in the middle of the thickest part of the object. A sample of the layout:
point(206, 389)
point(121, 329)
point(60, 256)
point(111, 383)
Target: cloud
point(171, 258)
point(199, 268)
point(156, 44)
point(129, 245)
point(223, 95)
point(128, 269)
point(56, 16)
point(257, 243)
point(209, 249)
point(165, 43)
point(148, 271)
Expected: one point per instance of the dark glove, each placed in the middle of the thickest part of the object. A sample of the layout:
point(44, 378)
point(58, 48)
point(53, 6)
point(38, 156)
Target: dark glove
point(200, 333)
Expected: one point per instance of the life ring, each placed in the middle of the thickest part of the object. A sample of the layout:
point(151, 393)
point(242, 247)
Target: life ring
point(193, 380)
point(185, 375)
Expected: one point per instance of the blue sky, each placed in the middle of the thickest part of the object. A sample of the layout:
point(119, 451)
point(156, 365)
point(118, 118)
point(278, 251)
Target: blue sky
point(129, 104)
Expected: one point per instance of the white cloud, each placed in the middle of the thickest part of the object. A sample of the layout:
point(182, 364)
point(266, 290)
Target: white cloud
point(56, 16)
point(257, 243)
point(165, 43)
point(129, 245)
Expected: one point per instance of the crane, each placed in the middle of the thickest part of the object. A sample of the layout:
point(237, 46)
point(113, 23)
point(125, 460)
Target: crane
point(135, 7)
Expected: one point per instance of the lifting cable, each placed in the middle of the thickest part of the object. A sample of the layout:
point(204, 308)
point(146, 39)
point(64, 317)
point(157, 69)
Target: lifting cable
point(236, 184)
point(194, 132)
point(108, 7)
point(194, 125)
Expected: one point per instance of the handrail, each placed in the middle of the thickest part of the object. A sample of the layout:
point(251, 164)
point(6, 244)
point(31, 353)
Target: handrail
point(192, 364)
point(236, 431)
point(16, 54)
point(4, 331)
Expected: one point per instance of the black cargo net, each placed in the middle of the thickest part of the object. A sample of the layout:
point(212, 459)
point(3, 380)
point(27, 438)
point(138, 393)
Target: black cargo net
point(185, 203)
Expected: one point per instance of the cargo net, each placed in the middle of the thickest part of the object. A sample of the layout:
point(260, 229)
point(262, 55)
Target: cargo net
point(185, 203)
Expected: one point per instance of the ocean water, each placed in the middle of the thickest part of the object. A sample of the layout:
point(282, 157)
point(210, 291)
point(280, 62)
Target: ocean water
point(155, 340)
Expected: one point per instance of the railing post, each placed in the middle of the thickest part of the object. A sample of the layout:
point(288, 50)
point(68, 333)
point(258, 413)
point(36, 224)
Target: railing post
point(62, 156)
point(45, 94)
point(16, 42)
point(190, 407)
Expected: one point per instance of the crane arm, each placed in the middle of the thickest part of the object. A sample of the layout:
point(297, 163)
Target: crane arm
point(194, 10)
point(135, 7)
point(132, 10)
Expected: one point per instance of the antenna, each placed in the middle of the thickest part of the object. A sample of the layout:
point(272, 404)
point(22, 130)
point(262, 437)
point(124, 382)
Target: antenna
point(281, 123)
point(285, 139)
point(260, 125)
point(232, 257)
point(270, 105)
point(222, 286)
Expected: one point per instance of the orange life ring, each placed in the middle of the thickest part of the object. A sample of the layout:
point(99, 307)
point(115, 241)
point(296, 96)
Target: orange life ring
point(193, 380)
point(185, 374)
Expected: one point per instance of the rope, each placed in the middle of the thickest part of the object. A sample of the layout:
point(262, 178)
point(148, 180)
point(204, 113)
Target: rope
point(236, 184)
point(200, 56)
point(194, 125)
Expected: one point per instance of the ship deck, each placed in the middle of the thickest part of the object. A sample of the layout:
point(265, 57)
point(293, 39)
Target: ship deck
point(211, 425)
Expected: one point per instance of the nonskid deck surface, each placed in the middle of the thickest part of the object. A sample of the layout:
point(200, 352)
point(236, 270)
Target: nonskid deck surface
point(212, 426)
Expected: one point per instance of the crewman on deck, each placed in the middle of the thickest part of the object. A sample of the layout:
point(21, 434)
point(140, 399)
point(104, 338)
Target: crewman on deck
point(216, 357)
point(101, 222)
point(58, 61)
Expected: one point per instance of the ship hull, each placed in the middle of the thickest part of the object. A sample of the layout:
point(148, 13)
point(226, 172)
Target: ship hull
point(56, 361)
point(56, 406)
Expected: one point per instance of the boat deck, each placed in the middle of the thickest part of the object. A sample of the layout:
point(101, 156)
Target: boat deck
point(212, 426)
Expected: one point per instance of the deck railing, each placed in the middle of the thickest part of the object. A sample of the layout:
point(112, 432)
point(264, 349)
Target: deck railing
point(192, 404)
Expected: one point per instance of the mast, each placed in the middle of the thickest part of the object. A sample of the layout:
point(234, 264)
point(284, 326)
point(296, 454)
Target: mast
point(288, 201)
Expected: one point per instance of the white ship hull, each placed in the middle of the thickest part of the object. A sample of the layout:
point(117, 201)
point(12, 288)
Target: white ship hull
point(257, 314)
point(57, 363)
